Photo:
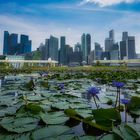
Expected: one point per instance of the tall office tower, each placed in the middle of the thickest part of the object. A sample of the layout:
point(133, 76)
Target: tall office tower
point(123, 48)
point(108, 44)
point(110, 41)
point(69, 52)
point(43, 49)
point(25, 44)
point(98, 52)
point(114, 53)
point(112, 35)
point(88, 43)
point(6, 44)
point(77, 47)
point(62, 54)
point(47, 49)
point(131, 52)
point(53, 48)
point(127, 47)
point(86, 46)
point(124, 36)
point(13, 44)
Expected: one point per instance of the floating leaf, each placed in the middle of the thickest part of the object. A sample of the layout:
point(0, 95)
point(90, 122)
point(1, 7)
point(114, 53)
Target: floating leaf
point(50, 131)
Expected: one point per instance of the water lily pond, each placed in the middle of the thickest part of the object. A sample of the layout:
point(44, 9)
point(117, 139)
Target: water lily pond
point(42, 106)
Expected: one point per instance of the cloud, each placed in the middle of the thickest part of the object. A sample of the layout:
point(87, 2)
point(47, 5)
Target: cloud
point(104, 3)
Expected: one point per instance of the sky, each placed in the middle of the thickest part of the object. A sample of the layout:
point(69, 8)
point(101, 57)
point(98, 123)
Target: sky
point(71, 18)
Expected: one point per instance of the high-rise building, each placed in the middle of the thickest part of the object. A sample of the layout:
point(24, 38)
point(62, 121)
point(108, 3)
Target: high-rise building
point(124, 36)
point(123, 49)
point(114, 53)
point(13, 44)
point(108, 44)
point(77, 47)
point(5, 43)
point(98, 52)
point(86, 46)
point(12, 47)
point(88, 43)
point(131, 53)
point(112, 35)
point(25, 44)
point(53, 48)
point(69, 53)
point(62, 55)
point(110, 41)
point(127, 47)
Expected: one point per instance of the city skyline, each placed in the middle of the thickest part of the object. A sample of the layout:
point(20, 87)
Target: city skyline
point(39, 19)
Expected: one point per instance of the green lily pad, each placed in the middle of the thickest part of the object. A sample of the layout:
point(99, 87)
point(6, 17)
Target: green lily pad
point(48, 132)
point(19, 125)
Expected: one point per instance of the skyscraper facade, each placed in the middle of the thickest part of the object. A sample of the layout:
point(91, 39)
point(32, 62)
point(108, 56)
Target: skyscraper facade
point(127, 47)
point(131, 53)
point(12, 47)
point(98, 52)
point(86, 46)
point(25, 44)
point(5, 43)
point(62, 54)
point(53, 48)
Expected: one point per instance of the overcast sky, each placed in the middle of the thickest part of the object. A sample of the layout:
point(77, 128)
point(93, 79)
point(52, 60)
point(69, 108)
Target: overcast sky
point(41, 18)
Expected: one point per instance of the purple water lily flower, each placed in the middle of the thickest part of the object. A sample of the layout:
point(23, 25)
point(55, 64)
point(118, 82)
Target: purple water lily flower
point(118, 84)
point(61, 86)
point(125, 101)
point(94, 91)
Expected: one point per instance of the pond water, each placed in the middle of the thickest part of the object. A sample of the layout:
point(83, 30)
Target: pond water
point(12, 89)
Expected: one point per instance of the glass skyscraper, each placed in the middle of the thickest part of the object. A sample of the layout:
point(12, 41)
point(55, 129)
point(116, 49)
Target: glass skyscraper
point(12, 47)
point(86, 46)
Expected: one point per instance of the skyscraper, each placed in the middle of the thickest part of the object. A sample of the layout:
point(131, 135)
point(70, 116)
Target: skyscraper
point(123, 49)
point(124, 36)
point(86, 46)
point(110, 41)
point(11, 46)
point(108, 44)
point(5, 43)
point(53, 48)
point(127, 47)
point(112, 35)
point(131, 53)
point(25, 44)
point(62, 55)
point(98, 51)
point(77, 47)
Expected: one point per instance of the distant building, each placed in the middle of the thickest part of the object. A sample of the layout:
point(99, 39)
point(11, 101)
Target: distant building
point(98, 52)
point(127, 47)
point(62, 55)
point(53, 48)
point(86, 46)
point(91, 57)
point(123, 49)
point(131, 53)
point(25, 44)
point(114, 53)
point(77, 47)
point(12, 47)
point(15, 57)
point(112, 35)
